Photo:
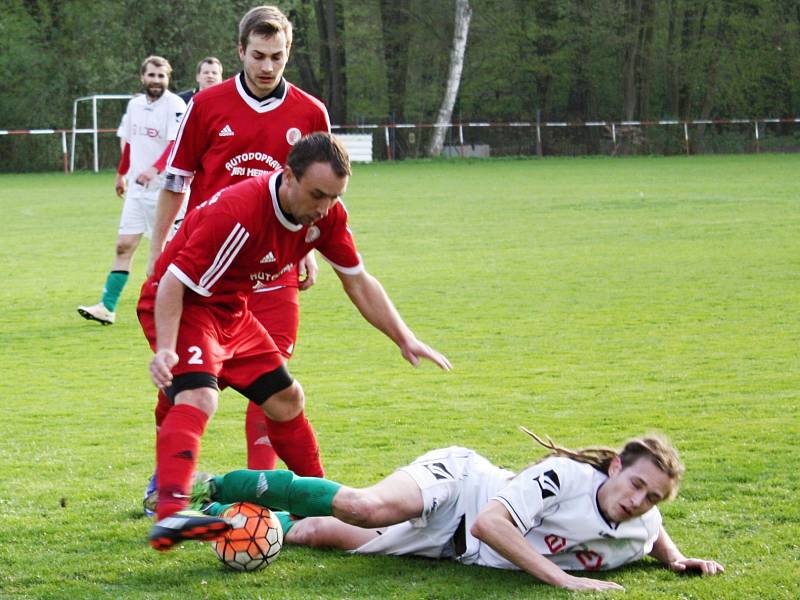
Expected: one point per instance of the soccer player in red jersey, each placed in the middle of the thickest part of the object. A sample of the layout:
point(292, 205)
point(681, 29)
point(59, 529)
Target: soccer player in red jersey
point(194, 311)
point(240, 128)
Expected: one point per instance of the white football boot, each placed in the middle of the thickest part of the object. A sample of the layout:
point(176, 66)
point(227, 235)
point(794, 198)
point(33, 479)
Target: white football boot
point(98, 313)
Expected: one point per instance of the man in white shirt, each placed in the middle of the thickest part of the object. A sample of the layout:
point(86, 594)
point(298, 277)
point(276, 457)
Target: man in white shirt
point(148, 131)
point(585, 510)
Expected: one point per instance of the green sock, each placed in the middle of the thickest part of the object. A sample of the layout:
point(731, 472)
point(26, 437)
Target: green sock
point(215, 509)
point(285, 519)
point(115, 283)
point(281, 490)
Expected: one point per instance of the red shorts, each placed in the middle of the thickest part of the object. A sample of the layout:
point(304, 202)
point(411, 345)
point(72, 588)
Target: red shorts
point(236, 351)
point(279, 312)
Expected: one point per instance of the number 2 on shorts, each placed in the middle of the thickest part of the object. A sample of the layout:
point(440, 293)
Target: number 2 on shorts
point(197, 356)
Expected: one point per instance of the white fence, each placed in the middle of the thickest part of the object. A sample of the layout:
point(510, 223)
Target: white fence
point(376, 141)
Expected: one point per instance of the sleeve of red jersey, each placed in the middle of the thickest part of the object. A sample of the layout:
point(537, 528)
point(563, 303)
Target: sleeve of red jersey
point(209, 250)
point(324, 123)
point(190, 143)
point(337, 245)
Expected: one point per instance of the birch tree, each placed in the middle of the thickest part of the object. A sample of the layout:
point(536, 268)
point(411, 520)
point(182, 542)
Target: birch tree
point(460, 33)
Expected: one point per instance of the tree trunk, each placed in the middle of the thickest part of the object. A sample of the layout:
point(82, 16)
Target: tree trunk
point(395, 18)
point(330, 20)
point(460, 33)
point(646, 57)
point(632, 25)
point(717, 51)
point(301, 53)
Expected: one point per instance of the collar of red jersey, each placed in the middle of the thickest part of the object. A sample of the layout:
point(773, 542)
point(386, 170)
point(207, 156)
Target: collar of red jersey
point(273, 191)
point(266, 104)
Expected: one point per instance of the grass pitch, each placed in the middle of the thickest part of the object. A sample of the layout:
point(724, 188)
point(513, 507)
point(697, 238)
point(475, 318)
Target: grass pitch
point(589, 299)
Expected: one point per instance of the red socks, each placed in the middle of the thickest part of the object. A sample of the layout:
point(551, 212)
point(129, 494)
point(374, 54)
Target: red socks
point(260, 453)
point(162, 408)
point(177, 450)
point(295, 442)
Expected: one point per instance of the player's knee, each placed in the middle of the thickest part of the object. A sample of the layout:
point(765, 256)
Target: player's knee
point(358, 507)
point(204, 399)
point(277, 393)
point(125, 248)
point(285, 404)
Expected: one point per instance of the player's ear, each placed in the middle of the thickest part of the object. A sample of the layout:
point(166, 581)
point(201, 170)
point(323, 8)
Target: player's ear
point(615, 467)
point(242, 52)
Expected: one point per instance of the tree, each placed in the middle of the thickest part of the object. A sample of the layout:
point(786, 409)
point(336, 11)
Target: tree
point(460, 33)
point(330, 21)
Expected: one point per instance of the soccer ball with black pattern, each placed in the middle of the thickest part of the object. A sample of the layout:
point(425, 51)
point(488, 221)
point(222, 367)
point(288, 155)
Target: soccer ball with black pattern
point(254, 541)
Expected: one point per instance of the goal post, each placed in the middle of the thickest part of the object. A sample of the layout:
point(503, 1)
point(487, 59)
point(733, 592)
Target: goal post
point(94, 129)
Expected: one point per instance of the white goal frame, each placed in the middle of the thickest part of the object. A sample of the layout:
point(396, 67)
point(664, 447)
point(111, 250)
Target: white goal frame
point(93, 129)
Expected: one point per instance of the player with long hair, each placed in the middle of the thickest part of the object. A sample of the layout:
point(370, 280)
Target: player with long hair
point(586, 510)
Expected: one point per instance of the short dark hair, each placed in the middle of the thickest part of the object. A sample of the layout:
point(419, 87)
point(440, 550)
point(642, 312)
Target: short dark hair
point(208, 60)
point(158, 61)
point(265, 21)
point(319, 147)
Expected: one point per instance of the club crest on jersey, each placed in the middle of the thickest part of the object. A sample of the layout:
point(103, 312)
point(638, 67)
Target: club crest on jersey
point(548, 483)
point(226, 131)
point(268, 258)
point(293, 135)
point(439, 471)
point(312, 234)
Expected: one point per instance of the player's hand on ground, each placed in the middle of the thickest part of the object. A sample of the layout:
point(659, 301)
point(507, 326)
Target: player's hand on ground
point(585, 584)
point(704, 567)
point(146, 176)
point(416, 350)
point(161, 367)
point(120, 185)
point(307, 270)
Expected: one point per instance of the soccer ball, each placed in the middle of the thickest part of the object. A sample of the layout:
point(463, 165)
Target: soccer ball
point(254, 541)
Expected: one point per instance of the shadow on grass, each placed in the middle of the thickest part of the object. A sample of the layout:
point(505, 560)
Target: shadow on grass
point(304, 572)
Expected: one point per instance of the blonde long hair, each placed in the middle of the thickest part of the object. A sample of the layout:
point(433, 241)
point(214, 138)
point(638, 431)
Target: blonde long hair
point(655, 447)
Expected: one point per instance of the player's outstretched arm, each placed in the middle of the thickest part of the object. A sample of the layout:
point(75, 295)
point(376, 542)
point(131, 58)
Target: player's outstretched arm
point(168, 310)
point(169, 203)
point(495, 527)
point(374, 304)
point(665, 551)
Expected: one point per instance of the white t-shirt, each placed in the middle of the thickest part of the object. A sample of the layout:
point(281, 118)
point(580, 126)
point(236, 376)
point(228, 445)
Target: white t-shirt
point(554, 505)
point(149, 127)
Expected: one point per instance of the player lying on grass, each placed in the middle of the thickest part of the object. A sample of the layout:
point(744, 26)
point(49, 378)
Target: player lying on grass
point(585, 510)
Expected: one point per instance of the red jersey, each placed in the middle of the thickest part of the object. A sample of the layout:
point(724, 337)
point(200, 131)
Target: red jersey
point(227, 135)
point(240, 240)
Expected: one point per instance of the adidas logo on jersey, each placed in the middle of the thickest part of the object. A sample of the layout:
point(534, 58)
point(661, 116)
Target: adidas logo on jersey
point(226, 131)
point(270, 257)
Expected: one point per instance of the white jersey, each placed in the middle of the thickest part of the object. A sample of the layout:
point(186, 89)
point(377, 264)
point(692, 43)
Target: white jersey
point(149, 127)
point(553, 503)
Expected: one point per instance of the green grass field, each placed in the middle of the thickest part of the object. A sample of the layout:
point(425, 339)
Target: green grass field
point(588, 299)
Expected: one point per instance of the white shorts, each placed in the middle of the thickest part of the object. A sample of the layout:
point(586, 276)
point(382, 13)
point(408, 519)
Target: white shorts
point(139, 212)
point(440, 476)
